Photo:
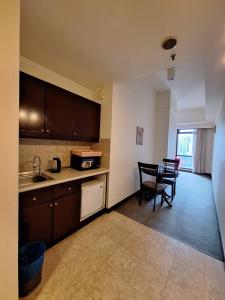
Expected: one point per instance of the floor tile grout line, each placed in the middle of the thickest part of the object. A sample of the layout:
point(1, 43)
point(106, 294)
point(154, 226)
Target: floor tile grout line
point(169, 269)
point(118, 246)
point(180, 241)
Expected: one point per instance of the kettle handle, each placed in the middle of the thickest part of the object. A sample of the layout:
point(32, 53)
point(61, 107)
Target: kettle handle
point(58, 162)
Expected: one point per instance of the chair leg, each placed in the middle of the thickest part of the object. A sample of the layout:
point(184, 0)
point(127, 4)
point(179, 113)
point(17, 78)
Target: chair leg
point(154, 203)
point(162, 199)
point(140, 197)
point(175, 184)
point(172, 192)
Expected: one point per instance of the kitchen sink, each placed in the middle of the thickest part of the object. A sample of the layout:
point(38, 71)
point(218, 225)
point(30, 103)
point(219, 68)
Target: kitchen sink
point(29, 178)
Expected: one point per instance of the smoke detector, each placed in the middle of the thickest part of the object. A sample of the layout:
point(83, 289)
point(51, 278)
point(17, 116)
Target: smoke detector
point(169, 43)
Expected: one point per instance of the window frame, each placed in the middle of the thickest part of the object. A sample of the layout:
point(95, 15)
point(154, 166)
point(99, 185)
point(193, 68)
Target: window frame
point(184, 131)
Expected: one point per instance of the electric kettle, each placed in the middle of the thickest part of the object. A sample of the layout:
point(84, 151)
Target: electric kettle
point(55, 165)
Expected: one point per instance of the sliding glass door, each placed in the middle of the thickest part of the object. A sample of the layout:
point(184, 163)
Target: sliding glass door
point(185, 139)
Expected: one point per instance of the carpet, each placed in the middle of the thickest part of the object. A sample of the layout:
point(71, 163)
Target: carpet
point(192, 219)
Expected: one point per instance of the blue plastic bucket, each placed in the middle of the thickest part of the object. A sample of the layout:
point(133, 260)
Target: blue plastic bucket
point(31, 258)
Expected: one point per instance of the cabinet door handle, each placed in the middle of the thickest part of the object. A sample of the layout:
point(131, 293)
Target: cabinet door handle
point(75, 133)
point(48, 130)
point(69, 188)
point(34, 199)
point(56, 203)
point(42, 130)
point(51, 205)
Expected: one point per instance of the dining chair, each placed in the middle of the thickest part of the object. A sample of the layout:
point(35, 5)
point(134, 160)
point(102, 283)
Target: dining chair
point(170, 165)
point(152, 185)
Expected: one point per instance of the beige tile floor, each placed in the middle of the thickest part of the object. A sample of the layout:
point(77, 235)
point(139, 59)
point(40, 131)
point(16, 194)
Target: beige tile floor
point(115, 257)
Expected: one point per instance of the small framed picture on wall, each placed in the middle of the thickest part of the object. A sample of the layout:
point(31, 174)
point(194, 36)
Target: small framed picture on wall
point(139, 135)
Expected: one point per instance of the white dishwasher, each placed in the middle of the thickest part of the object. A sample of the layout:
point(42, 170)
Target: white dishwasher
point(92, 197)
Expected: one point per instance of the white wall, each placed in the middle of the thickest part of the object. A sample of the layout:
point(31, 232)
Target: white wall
point(106, 112)
point(9, 85)
point(162, 118)
point(218, 173)
point(165, 126)
point(191, 115)
point(172, 133)
point(133, 105)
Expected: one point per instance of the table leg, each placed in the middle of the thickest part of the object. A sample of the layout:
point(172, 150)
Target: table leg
point(166, 198)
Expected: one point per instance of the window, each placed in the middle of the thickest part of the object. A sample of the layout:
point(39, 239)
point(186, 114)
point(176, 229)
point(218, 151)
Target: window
point(185, 148)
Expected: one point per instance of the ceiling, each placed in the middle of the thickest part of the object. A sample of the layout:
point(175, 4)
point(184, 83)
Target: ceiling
point(93, 42)
point(188, 87)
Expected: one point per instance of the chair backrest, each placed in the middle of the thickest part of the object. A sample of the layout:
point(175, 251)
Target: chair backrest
point(149, 169)
point(170, 164)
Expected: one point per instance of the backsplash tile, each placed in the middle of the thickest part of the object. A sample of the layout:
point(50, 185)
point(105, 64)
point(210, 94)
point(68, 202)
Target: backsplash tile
point(104, 146)
point(47, 149)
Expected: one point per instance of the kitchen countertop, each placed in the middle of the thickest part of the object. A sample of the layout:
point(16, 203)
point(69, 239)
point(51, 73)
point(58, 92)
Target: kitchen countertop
point(66, 174)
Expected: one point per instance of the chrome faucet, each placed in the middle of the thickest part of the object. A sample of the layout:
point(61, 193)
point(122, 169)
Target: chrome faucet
point(39, 163)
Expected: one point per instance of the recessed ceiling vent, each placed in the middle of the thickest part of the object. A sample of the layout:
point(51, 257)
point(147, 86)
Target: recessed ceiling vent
point(169, 43)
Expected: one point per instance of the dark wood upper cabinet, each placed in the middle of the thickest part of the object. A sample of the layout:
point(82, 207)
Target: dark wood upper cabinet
point(32, 104)
point(47, 111)
point(59, 112)
point(87, 120)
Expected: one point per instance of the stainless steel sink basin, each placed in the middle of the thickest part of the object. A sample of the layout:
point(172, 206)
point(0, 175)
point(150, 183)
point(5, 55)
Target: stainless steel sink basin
point(29, 178)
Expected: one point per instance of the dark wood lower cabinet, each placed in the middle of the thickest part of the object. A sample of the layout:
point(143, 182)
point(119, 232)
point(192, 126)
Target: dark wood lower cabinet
point(55, 218)
point(36, 224)
point(66, 217)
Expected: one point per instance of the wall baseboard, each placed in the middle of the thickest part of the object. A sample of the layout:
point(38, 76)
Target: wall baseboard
point(185, 170)
point(190, 171)
point(221, 238)
point(92, 217)
point(218, 220)
point(208, 174)
point(105, 210)
point(121, 202)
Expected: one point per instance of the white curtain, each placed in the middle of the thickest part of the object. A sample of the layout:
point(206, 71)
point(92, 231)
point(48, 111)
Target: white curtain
point(199, 151)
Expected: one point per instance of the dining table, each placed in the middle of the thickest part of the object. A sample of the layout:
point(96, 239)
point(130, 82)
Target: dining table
point(163, 172)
